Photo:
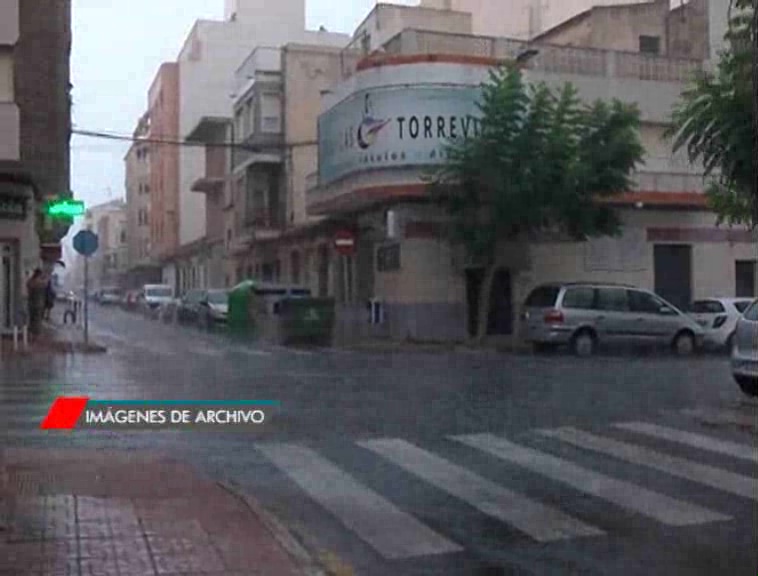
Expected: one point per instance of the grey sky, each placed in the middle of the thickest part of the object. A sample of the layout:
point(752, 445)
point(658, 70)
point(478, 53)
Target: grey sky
point(117, 49)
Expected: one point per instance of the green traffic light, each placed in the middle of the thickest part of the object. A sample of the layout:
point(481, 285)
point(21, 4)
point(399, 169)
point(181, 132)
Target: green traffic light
point(65, 208)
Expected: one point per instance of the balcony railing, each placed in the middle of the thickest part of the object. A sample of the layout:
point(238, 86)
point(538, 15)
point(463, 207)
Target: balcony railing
point(550, 57)
point(263, 218)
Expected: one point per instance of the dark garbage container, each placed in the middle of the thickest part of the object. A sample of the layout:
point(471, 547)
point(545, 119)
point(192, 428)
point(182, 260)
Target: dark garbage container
point(308, 321)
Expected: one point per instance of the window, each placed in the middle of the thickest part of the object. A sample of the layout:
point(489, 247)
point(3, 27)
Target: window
point(644, 302)
point(295, 267)
point(123, 237)
point(707, 307)
point(271, 113)
point(612, 300)
point(752, 313)
point(543, 297)
point(650, 44)
point(579, 298)
point(7, 91)
point(742, 306)
point(147, 188)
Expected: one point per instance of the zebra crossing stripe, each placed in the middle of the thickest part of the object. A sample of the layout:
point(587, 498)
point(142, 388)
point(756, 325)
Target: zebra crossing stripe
point(252, 352)
point(541, 522)
point(733, 449)
point(662, 508)
point(723, 417)
point(387, 529)
point(679, 467)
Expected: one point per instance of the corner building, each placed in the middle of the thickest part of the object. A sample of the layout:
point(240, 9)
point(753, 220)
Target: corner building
point(383, 129)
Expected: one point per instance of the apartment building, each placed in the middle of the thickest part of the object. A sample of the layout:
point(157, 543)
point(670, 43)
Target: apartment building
point(212, 71)
point(35, 45)
point(109, 265)
point(163, 161)
point(421, 87)
point(141, 267)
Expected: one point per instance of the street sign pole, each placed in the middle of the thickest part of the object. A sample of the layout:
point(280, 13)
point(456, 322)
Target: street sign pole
point(86, 301)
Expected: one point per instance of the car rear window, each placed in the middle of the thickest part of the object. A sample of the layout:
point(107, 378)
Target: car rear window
point(543, 297)
point(707, 307)
point(752, 313)
point(581, 298)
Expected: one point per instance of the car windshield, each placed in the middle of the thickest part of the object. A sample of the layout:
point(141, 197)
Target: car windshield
point(742, 306)
point(159, 292)
point(218, 298)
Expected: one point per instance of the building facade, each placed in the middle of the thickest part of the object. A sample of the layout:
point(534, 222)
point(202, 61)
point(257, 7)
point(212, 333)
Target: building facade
point(108, 267)
point(141, 268)
point(35, 128)
point(383, 129)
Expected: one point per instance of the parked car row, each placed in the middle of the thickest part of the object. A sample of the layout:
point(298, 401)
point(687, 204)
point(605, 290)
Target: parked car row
point(584, 316)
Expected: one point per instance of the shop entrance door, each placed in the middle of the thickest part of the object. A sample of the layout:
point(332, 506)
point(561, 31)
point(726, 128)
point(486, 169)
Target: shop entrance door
point(7, 285)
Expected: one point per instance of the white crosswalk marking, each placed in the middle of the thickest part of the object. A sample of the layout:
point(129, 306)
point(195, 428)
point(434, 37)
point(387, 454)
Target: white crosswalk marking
point(714, 416)
point(662, 508)
point(207, 352)
point(252, 352)
point(541, 522)
point(733, 449)
point(390, 531)
point(694, 472)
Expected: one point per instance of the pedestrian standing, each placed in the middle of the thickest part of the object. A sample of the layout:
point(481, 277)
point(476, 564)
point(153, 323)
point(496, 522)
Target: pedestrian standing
point(36, 289)
point(49, 298)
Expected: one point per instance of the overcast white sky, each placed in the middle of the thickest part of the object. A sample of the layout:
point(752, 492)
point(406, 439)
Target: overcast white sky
point(117, 49)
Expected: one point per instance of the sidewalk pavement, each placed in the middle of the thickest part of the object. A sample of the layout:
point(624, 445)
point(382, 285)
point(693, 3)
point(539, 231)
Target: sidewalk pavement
point(86, 513)
point(54, 338)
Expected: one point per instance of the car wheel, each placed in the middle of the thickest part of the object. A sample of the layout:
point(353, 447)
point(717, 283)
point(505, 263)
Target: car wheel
point(749, 386)
point(684, 344)
point(583, 344)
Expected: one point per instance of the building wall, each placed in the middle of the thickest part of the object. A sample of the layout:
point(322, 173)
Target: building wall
point(387, 20)
point(163, 106)
point(307, 71)
point(9, 113)
point(138, 181)
point(521, 19)
point(42, 85)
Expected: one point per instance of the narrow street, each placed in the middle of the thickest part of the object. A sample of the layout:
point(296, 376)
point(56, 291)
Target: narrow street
point(469, 463)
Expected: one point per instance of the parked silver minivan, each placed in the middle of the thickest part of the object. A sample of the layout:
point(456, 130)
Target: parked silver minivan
point(745, 351)
point(585, 315)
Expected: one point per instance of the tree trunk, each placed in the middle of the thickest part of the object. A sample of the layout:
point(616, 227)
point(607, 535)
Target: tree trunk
point(485, 295)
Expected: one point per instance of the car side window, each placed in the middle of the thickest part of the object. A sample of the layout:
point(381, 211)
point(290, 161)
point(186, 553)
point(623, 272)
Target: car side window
point(644, 303)
point(612, 300)
point(708, 307)
point(752, 313)
point(579, 298)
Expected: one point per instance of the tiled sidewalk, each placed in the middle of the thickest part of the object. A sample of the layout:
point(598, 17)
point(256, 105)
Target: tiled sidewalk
point(89, 514)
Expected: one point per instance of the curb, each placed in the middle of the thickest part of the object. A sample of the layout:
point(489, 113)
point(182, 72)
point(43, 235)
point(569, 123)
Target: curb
point(305, 561)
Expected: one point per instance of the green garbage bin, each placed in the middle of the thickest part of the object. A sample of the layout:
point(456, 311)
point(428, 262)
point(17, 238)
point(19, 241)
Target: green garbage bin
point(239, 320)
point(308, 321)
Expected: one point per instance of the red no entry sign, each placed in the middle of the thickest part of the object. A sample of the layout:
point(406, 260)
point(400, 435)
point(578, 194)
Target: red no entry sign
point(344, 242)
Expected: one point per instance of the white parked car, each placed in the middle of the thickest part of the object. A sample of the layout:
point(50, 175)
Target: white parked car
point(718, 317)
point(745, 351)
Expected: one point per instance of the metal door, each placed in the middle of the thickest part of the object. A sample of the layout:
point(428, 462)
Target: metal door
point(673, 273)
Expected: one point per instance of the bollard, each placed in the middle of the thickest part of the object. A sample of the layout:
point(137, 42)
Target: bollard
point(25, 330)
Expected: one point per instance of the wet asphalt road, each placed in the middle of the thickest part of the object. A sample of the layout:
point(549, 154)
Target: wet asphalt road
point(470, 463)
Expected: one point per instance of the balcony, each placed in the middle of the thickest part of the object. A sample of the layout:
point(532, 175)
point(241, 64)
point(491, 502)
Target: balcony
point(553, 59)
point(263, 64)
point(265, 224)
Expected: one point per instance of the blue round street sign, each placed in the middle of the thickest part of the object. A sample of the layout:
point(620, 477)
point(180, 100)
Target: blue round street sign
point(86, 242)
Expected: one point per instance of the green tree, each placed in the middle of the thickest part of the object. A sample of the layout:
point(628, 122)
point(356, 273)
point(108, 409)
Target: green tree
point(716, 122)
point(541, 161)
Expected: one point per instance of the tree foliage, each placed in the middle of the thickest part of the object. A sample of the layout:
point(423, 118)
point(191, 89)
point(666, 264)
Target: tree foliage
point(541, 161)
point(715, 122)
